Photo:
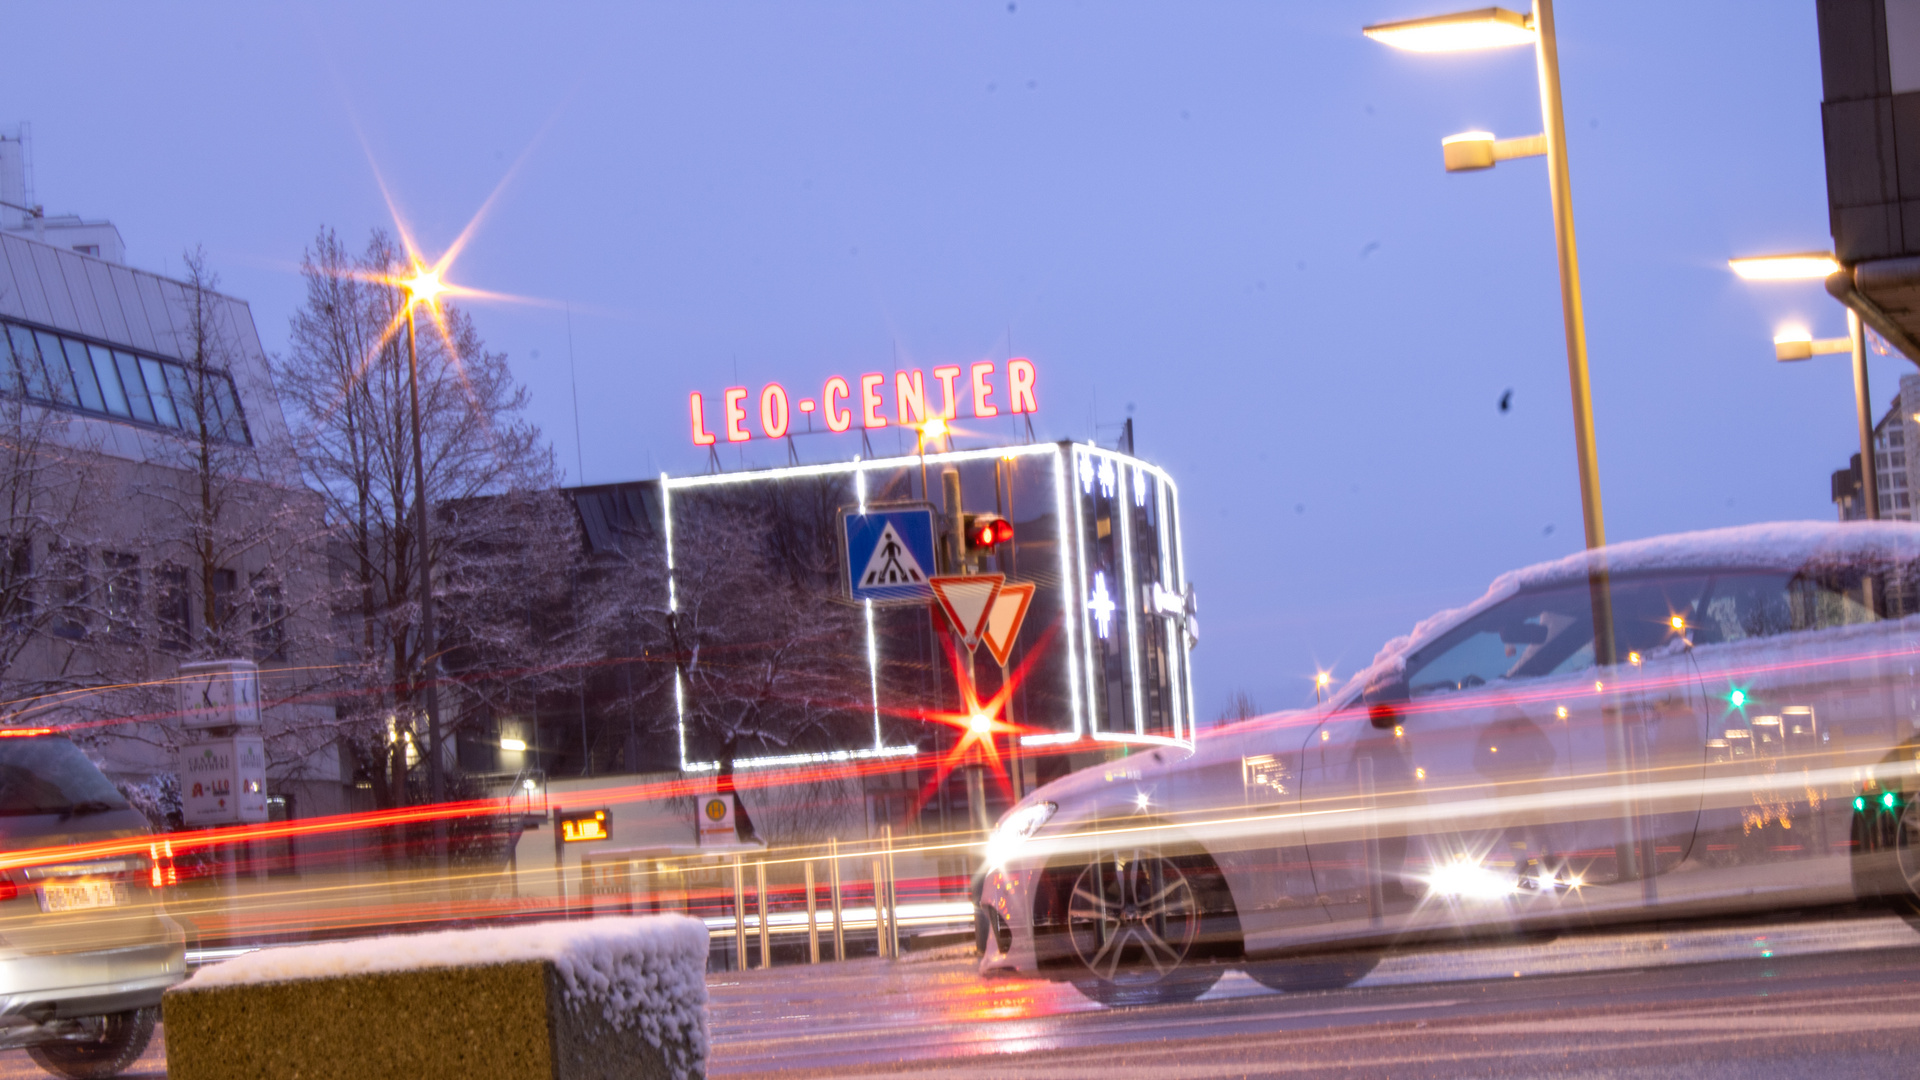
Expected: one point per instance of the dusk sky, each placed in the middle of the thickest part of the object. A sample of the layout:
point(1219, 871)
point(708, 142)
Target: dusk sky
point(1228, 221)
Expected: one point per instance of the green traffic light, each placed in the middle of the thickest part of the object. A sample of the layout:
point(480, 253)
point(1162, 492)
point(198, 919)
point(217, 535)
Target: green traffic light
point(1738, 699)
point(1860, 804)
point(1887, 800)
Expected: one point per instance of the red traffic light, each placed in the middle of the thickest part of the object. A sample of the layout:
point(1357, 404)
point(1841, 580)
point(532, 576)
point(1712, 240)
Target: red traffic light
point(987, 531)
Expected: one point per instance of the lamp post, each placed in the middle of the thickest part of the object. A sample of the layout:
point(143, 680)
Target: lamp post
point(1496, 28)
point(1815, 266)
point(423, 287)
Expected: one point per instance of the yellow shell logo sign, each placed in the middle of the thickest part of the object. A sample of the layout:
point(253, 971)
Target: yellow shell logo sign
point(716, 809)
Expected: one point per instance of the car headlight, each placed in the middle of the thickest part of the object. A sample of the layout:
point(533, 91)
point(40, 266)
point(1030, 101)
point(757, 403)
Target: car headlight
point(1014, 829)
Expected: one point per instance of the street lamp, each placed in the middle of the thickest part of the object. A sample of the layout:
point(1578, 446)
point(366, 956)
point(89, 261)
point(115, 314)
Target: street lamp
point(1497, 28)
point(422, 288)
point(1815, 266)
point(1494, 27)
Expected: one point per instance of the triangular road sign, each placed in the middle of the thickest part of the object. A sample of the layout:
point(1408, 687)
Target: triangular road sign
point(1004, 616)
point(892, 562)
point(966, 600)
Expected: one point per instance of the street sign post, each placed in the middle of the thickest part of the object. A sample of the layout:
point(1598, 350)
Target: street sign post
point(224, 781)
point(890, 554)
point(580, 826)
point(716, 820)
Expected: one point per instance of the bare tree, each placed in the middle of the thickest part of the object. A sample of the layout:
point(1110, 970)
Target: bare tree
point(772, 661)
point(48, 489)
point(234, 543)
point(346, 379)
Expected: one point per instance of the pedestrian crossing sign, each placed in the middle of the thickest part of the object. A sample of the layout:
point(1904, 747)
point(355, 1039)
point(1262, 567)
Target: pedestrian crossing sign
point(890, 555)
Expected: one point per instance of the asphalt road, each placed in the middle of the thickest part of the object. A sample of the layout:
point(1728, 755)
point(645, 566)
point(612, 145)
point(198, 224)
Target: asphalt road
point(1835, 997)
point(1821, 997)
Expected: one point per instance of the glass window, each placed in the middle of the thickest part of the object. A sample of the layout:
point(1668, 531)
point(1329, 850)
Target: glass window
point(26, 358)
point(1550, 632)
point(138, 402)
point(112, 396)
point(175, 608)
point(81, 365)
point(122, 572)
point(186, 395)
point(58, 382)
point(232, 424)
point(10, 367)
point(157, 393)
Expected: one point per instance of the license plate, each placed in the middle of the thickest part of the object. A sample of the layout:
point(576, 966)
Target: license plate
point(77, 896)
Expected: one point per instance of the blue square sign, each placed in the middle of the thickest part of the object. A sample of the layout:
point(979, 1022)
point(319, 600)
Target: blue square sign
point(890, 555)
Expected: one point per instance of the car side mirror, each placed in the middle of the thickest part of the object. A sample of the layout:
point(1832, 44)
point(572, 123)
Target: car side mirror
point(1383, 699)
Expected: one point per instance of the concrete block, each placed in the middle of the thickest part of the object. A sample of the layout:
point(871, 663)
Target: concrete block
point(350, 1011)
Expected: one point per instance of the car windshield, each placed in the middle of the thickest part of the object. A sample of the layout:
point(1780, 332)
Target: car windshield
point(49, 775)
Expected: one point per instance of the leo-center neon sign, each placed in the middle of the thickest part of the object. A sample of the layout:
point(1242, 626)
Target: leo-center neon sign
point(840, 406)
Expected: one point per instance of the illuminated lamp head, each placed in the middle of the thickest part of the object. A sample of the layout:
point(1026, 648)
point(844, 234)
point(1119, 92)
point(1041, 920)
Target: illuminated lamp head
point(424, 285)
point(980, 723)
point(1678, 622)
point(933, 428)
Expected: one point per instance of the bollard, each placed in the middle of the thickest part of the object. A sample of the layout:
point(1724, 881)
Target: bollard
point(833, 878)
point(760, 898)
point(1376, 897)
point(813, 920)
point(893, 896)
point(739, 918)
point(879, 907)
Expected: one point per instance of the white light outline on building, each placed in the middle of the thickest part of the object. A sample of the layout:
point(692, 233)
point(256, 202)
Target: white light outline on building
point(1100, 602)
point(1086, 613)
point(1174, 675)
point(873, 675)
point(1072, 564)
point(1133, 598)
point(1066, 574)
point(809, 759)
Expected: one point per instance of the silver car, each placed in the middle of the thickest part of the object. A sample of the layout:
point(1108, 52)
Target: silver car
point(85, 947)
point(1750, 743)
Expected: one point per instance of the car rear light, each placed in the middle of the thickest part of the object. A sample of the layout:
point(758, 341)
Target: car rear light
point(162, 872)
point(8, 890)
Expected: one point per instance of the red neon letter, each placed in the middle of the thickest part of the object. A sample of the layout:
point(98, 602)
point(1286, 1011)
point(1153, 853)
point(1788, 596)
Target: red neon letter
point(837, 419)
point(1020, 384)
point(700, 436)
point(773, 410)
point(981, 391)
point(736, 413)
point(949, 408)
point(870, 400)
point(910, 394)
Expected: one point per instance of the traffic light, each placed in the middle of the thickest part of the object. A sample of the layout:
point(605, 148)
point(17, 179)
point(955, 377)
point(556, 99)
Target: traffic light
point(986, 532)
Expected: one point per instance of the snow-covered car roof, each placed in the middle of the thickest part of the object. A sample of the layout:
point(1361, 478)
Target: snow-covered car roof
point(1784, 545)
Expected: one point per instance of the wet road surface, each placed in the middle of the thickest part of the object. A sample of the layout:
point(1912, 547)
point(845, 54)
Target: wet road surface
point(1833, 997)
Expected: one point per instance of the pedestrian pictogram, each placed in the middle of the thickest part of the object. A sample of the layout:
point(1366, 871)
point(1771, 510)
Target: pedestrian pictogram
point(966, 602)
point(1004, 616)
point(892, 563)
point(890, 555)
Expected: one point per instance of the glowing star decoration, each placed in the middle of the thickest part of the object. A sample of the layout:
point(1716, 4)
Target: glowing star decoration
point(1139, 487)
point(1086, 473)
point(1100, 602)
point(1108, 477)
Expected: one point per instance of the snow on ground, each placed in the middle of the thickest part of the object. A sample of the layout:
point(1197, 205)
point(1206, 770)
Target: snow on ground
point(649, 971)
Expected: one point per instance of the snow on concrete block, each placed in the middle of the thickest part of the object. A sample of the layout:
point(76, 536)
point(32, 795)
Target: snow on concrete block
point(570, 1001)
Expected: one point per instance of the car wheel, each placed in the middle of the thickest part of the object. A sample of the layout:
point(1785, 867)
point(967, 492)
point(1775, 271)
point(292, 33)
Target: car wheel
point(1322, 972)
point(122, 1038)
point(1133, 921)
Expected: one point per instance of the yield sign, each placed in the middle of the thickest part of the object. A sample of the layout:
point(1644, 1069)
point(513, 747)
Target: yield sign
point(967, 600)
point(1004, 616)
